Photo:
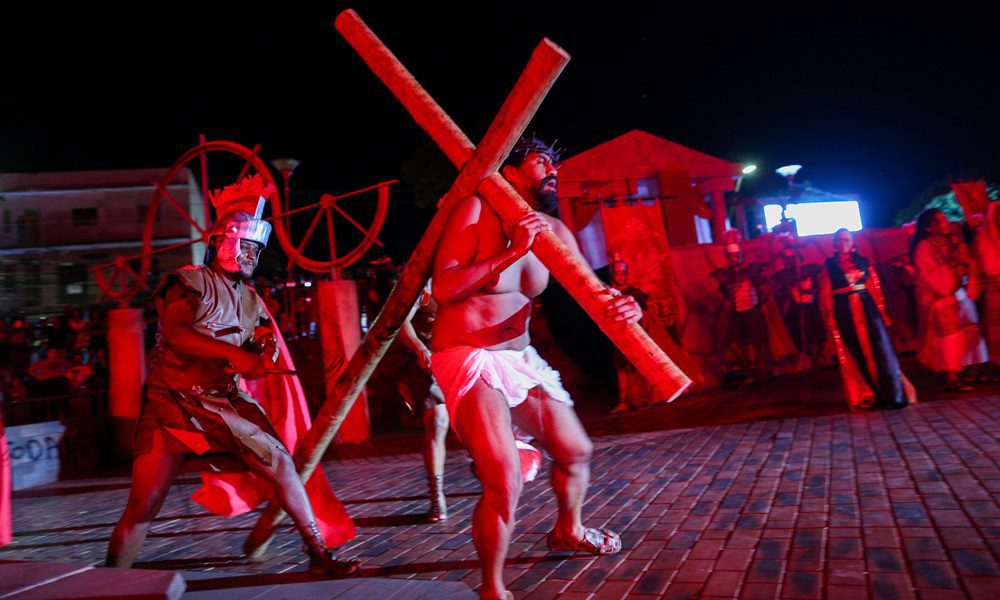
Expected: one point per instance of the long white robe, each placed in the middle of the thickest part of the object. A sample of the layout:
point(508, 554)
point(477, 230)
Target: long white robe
point(948, 321)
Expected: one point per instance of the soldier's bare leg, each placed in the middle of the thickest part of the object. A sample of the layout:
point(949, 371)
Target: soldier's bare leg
point(152, 474)
point(282, 475)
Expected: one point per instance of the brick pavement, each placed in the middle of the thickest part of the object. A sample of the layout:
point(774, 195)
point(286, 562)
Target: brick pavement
point(899, 504)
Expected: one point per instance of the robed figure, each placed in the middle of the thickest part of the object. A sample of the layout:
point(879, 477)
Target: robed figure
point(854, 311)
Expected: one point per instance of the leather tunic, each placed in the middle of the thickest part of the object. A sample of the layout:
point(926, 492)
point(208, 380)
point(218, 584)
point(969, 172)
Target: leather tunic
point(225, 310)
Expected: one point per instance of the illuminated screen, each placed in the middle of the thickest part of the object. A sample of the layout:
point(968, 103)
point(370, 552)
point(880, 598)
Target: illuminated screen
point(817, 218)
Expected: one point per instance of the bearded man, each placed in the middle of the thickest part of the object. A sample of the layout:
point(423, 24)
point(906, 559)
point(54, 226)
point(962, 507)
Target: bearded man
point(485, 280)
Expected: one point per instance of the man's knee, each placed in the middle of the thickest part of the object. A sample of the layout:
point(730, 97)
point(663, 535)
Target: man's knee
point(576, 451)
point(282, 465)
point(438, 421)
point(142, 509)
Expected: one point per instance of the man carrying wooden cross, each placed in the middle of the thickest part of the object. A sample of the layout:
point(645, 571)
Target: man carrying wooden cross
point(485, 278)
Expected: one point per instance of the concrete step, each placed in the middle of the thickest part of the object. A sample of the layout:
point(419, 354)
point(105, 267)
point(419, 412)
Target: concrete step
point(22, 579)
point(215, 585)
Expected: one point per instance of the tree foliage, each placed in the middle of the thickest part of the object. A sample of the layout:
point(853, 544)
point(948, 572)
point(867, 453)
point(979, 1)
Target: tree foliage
point(939, 195)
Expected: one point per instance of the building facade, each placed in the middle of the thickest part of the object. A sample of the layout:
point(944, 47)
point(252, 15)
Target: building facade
point(56, 227)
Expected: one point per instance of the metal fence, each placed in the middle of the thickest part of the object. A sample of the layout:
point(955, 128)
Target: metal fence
point(84, 403)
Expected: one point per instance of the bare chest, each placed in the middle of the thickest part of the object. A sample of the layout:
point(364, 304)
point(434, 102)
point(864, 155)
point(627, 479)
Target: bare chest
point(527, 276)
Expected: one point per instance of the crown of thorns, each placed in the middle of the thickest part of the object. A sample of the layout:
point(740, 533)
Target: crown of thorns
point(533, 143)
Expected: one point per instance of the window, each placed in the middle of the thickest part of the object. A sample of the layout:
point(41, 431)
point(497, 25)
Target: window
point(9, 277)
point(703, 230)
point(142, 213)
point(29, 228)
point(84, 217)
point(72, 279)
point(32, 283)
point(647, 188)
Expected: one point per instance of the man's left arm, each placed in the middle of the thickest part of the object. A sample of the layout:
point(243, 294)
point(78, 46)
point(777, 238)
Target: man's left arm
point(617, 306)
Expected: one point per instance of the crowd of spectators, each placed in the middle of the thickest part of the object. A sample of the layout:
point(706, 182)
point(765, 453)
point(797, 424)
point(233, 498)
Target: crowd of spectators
point(57, 356)
point(66, 354)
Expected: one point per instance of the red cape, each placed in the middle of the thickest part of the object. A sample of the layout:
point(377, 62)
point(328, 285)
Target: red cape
point(234, 493)
point(6, 530)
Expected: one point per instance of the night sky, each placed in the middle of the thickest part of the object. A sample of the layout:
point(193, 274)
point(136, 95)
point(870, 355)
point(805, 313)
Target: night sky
point(879, 102)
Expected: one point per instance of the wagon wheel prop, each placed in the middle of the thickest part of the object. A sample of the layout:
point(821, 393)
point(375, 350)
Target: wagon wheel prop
point(229, 161)
point(119, 280)
point(329, 210)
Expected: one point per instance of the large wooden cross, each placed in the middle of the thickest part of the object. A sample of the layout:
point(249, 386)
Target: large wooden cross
point(479, 166)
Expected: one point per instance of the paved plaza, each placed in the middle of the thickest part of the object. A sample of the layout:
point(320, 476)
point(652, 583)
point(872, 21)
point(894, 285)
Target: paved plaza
point(827, 504)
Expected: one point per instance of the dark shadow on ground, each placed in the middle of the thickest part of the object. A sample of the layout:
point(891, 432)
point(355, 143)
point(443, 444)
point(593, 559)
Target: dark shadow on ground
point(391, 520)
point(408, 498)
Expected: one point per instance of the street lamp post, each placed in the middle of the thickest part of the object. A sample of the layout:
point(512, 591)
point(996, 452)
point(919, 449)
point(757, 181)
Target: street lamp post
point(286, 166)
point(788, 172)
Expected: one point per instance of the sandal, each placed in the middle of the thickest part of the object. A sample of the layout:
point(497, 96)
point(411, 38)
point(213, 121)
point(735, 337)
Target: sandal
point(323, 562)
point(438, 510)
point(595, 541)
point(959, 386)
point(331, 566)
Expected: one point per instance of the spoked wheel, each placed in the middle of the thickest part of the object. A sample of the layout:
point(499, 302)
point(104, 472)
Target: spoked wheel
point(332, 209)
point(213, 165)
point(119, 280)
point(175, 219)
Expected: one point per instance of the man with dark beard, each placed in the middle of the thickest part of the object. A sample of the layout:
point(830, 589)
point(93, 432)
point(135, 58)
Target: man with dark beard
point(493, 380)
point(209, 335)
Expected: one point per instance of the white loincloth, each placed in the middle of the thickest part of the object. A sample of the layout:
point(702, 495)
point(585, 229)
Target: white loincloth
point(513, 373)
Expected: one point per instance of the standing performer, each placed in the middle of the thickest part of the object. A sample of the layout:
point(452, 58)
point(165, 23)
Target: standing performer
point(854, 310)
point(634, 392)
point(744, 290)
point(948, 320)
point(484, 281)
point(421, 387)
point(986, 276)
point(209, 335)
point(796, 294)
